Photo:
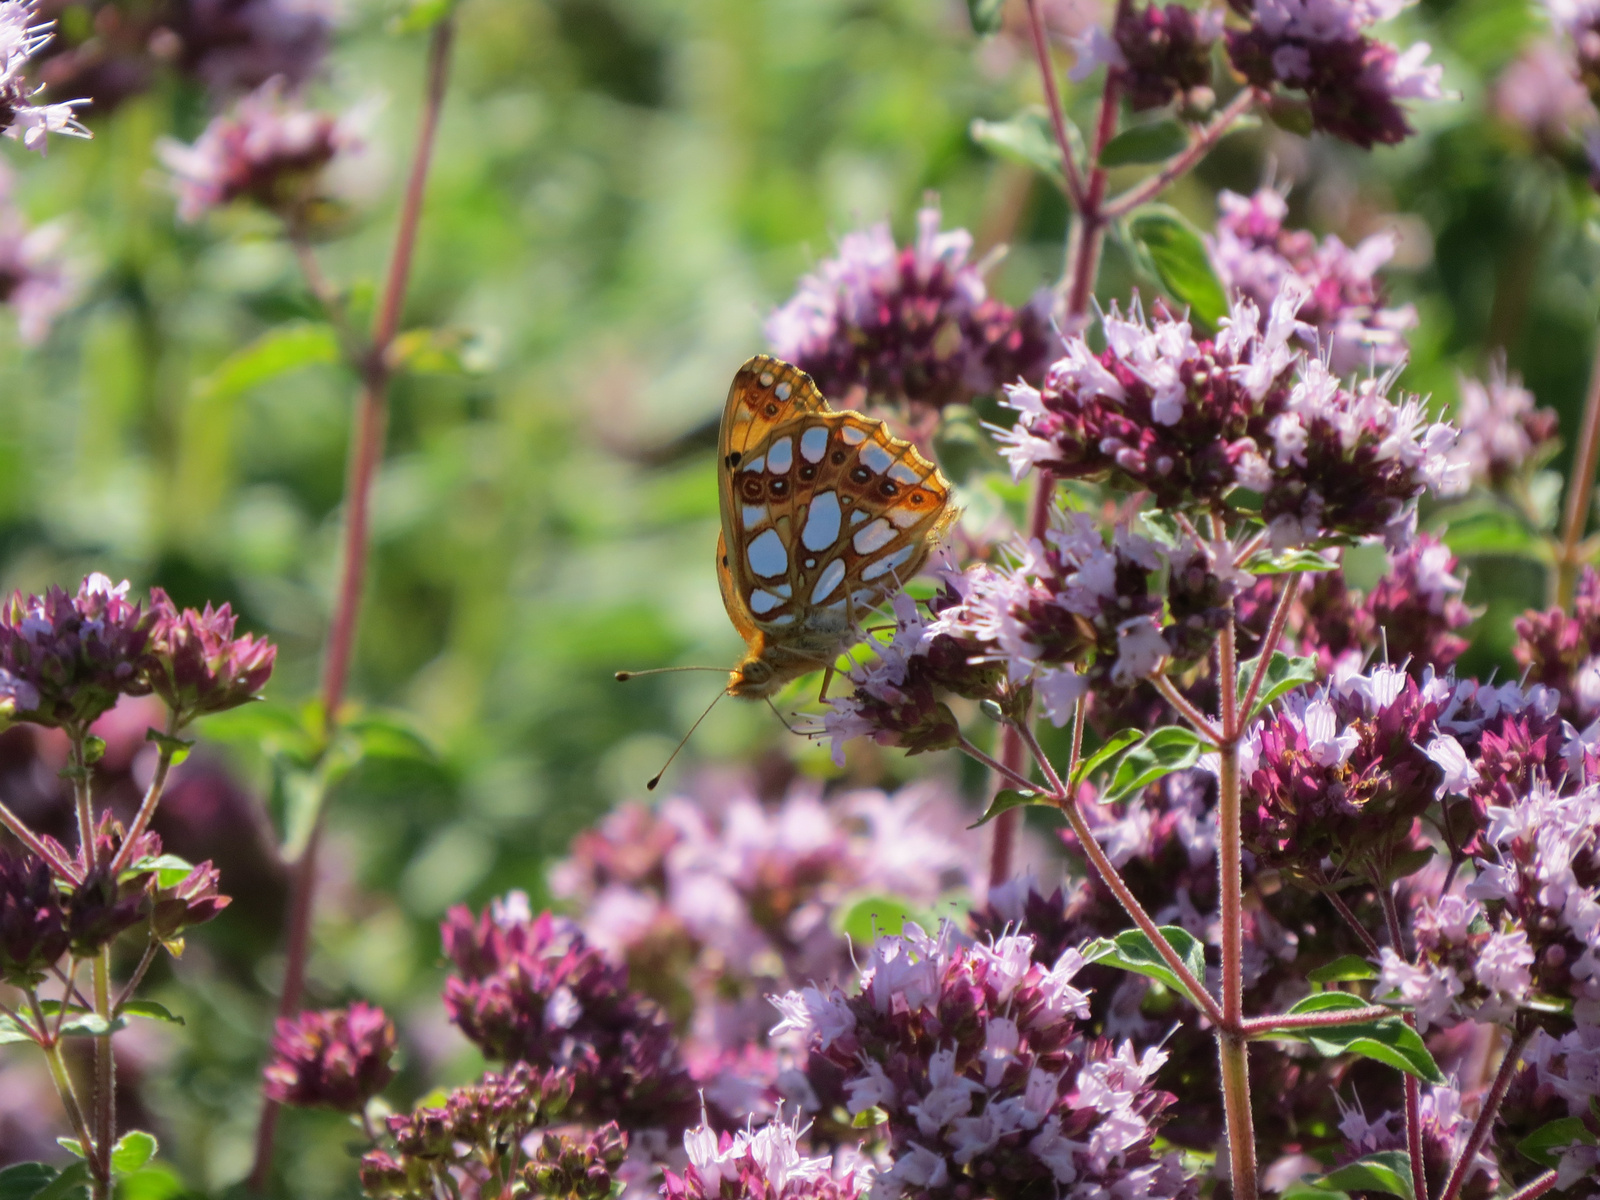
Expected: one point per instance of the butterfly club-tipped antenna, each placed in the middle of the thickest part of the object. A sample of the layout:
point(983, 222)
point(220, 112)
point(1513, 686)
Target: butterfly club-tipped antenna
point(624, 676)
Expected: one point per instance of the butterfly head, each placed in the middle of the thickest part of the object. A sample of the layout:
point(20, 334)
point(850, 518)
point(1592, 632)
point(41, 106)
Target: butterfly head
point(754, 679)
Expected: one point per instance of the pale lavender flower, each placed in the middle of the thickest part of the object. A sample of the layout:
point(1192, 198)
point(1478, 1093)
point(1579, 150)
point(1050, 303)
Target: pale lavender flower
point(1254, 254)
point(22, 35)
point(1502, 431)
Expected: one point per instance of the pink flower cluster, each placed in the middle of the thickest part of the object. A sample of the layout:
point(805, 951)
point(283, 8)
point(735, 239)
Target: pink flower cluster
point(1561, 650)
point(1503, 434)
point(23, 35)
point(1193, 421)
point(1353, 83)
point(1254, 253)
point(973, 1059)
point(913, 325)
point(532, 990)
point(65, 660)
point(766, 1164)
point(716, 899)
point(336, 1058)
point(1160, 53)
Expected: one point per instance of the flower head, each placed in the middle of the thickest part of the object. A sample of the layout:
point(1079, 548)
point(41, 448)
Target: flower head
point(267, 150)
point(64, 660)
point(1161, 52)
point(908, 325)
point(197, 665)
point(22, 35)
point(762, 1165)
point(1502, 432)
point(33, 929)
point(337, 1058)
point(1353, 83)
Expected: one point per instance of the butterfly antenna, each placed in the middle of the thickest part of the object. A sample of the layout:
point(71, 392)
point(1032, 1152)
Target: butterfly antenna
point(624, 676)
point(651, 786)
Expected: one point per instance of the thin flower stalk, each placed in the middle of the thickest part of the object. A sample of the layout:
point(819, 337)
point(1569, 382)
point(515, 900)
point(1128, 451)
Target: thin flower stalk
point(1185, 160)
point(19, 830)
point(147, 806)
point(1485, 1120)
point(1580, 493)
point(366, 451)
point(1535, 1187)
point(1282, 1022)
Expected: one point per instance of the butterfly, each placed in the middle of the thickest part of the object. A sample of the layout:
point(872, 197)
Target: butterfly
point(824, 515)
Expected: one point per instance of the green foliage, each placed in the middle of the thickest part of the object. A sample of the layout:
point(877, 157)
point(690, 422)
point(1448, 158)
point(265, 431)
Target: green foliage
point(1156, 755)
point(1388, 1171)
point(1387, 1040)
point(1151, 143)
point(1177, 258)
point(1132, 950)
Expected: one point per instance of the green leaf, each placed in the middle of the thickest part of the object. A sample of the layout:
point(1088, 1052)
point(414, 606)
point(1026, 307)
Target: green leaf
point(132, 1151)
point(176, 748)
point(1026, 138)
point(71, 1184)
point(868, 1118)
point(1309, 1190)
point(1387, 1171)
point(1132, 951)
point(440, 352)
point(422, 15)
point(90, 1025)
point(874, 916)
point(286, 348)
point(1180, 261)
point(1388, 1040)
point(13, 1031)
point(150, 1011)
point(1114, 745)
point(170, 870)
point(1005, 800)
point(1495, 531)
point(1343, 970)
point(1546, 1144)
point(1284, 674)
point(72, 1146)
point(1151, 143)
point(986, 15)
point(1288, 562)
point(1158, 754)
point(23, 1181)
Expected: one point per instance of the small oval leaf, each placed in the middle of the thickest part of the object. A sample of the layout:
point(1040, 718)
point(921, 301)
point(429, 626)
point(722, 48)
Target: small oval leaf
point(1005, 800)
point(1180, 261)
point(1152, 143)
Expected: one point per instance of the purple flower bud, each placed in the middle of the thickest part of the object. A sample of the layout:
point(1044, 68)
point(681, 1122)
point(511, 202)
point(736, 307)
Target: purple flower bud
point(1353, 84)
point(64, 660)
point(192, 901)
point(338, 1058)
point(1502, 433)
point(912, 325)
point(533, 990)
point(33, 929)
point(197, 665)
point(1162, 52)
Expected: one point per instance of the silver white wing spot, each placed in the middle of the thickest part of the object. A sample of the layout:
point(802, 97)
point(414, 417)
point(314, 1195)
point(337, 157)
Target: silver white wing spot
point(871, 537)
point(832, 575)
point(780, 456)
point(822, 521)
point(767, 555)
point(814, 443)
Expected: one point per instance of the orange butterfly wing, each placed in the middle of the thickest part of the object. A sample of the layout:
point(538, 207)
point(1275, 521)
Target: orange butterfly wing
point(824, 514)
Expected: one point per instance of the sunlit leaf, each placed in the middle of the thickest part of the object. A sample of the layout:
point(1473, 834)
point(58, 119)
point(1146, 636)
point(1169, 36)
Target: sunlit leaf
point(1114, 745)
point(1132, 951)
point(1388, 1171)
point(1284, 674)
point(286, 348)
point(1157, 755)
point(1180, 260)
point(1546, 1144)
point(132, 1151)
point(1004, 801)
point(1343, 970)
point(150, 1011)
point(987, 15)
point(1387, 1040)
point(1027, 138)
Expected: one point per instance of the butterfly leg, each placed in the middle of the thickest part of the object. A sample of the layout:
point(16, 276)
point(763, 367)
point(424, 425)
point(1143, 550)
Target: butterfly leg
point(827, 678)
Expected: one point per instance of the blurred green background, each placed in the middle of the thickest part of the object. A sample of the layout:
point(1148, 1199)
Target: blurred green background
point(623, 190)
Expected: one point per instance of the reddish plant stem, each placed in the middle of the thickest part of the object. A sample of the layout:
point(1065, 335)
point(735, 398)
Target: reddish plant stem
point(366, 451)
point(1419, 1178)
point(1535, 1187)
point(1256, 1026)
point(1185, 708)
point(147, 807)
point(59, 866)
point(1184, 161)
point(1344, 911)
point(1580, 488)
point(1486, 1116)
point(1052, 99)
point(1280, 618)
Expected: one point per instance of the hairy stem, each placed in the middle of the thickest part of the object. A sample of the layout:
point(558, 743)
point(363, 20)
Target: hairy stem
point(1535, 1187)
point(1108, 874)
point(366, 450)
point(1486, 1116)
point(1280, 618)
point(69, 1101)
point(1185, 160)
point(1186, 709)
point(152, 798)
point(1360, 930)
point(1580, 489)
point(1419, 1178)
point(105, 1070)
point(1283, 1022)
point(59, 866)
